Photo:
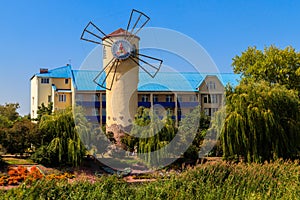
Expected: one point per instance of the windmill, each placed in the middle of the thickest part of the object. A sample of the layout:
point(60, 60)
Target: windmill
point(120, 74)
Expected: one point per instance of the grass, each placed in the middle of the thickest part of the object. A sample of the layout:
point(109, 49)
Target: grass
point(276, 180)
point(18, 161)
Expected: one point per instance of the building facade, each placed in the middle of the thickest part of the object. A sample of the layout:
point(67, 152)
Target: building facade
point(170, 93)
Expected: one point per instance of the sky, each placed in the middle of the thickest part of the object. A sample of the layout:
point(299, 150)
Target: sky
point(46, 34)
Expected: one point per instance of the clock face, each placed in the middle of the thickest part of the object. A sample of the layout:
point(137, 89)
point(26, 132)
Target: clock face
point(121, 49)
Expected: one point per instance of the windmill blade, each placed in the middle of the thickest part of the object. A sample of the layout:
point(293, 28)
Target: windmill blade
point(101, 81)
point(151, 65)
point(140, 19)
point(92, 33)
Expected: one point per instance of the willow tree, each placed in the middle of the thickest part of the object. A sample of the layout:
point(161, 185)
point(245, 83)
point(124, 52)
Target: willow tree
point(65, 146)
point(262, 122)
point(150, 135)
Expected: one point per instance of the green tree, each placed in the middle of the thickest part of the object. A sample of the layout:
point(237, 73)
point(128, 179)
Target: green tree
point(44, 110)
point(21, 136)
point(273, 65)
point(262, 122)
point(9, 110)
point(65, 146)
point(193, 128)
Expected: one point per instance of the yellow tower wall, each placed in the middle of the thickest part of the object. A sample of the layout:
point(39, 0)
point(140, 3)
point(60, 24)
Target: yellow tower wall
point(122, 99)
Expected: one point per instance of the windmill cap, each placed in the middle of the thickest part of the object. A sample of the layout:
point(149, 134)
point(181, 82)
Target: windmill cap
point(118, 33)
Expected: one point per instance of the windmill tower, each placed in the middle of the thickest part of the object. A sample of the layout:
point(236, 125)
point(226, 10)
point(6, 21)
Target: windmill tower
point(120, 75)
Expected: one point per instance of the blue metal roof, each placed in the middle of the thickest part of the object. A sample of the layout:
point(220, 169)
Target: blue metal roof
point(163, 81)
point(60, 72)
point(83, 80)
point(169, 81)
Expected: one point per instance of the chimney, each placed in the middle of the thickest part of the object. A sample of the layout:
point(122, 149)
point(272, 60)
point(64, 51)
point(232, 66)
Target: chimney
point(43, 70)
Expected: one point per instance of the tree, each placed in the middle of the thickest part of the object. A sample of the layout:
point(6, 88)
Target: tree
point(21, 136)
point(273, 65)
point(43, 110)
point(193, 128)
point(9, 110)
point(63, 144)
point(262, 122)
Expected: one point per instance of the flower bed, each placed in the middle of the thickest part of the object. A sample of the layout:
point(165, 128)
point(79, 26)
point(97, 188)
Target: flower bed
point(19, 174)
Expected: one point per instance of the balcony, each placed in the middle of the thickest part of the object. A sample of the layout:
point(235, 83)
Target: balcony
point(165, 104)
point(187, 104)
point(93, 118)
point(144, 104)
point(95, 104)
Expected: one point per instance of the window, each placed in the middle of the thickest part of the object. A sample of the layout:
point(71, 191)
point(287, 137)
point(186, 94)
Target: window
point(155, 98)
point(62, 98)
point(193, 98)
point(207, 111)
point(103, 112)
point(32, 100)
point(49, 98)
point(213, 98)
point(211, 85)
point(103, 97)
point(144, 98)
point(45, 80)
point(179, 98)
point(169, 111)
point(179, 112)
point(206, 98)
point(210, 98)
point(96, 97)
point(79, 97)
point(66, 81)
point(213, 110)
point(96, 111)
point(104, 52)
point(168, 98)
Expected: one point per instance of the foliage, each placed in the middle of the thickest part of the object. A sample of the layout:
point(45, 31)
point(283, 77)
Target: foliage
point(273, 65)
point(262, 122)
point(277, 180)
point(63, 144)
point(194, 129)
point(150, 134)
point(9, 111)
point(44, 110)
point(21, 137)
point(17, 134)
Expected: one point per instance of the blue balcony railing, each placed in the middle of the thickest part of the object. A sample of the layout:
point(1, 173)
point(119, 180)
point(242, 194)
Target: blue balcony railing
point(93, 118)
point(144, 104)
point(166, 104)
point(95, 104)
point(187, 104)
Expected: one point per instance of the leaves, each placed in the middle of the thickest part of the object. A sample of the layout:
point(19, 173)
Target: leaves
point(262, 122)
point(273, 65)
point(63, 144)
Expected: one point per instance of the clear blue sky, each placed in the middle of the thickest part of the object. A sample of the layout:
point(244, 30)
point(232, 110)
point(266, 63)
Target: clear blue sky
point(37, 34)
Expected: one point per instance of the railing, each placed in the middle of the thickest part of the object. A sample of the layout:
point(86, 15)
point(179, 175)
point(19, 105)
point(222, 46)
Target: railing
point(187, 104)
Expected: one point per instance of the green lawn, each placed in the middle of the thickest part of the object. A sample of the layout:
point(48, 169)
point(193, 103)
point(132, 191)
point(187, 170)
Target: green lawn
point(18, 161)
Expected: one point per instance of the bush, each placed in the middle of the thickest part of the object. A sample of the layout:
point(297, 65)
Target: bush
point(277, 180)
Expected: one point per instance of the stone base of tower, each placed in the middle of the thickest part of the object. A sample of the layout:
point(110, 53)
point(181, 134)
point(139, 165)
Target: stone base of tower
point(118, 132)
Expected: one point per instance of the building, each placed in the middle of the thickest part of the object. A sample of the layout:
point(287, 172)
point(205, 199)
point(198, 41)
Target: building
point(173, 92)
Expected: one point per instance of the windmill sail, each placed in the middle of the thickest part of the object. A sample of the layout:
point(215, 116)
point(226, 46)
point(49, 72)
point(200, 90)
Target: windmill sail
point(92, 33)
point(106, 76)
point(149, 64)
point(137, 19)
